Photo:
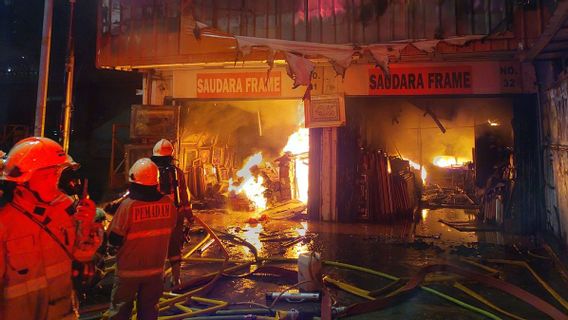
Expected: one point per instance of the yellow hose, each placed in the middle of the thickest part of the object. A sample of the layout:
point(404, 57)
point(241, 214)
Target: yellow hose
point(481, 299)
point(349, 288)
point(272, 260)
point(479, 265)
point(190, 252)
point(427, 289)
point(189, 312)
point(543, 283)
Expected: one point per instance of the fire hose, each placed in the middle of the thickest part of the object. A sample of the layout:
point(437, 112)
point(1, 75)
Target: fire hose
point(414, 283)
point(178, 301)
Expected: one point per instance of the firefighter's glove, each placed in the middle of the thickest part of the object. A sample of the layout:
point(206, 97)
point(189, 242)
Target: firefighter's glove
point(88, 233)
point(85, 211)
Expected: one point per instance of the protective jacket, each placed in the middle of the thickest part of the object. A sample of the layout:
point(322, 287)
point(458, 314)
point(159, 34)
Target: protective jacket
point(35, 271)
point(146, 228)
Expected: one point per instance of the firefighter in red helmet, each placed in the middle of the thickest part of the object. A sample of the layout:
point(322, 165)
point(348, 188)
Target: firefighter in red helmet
point(172, 183)
point(139, 234)
point(42, 231)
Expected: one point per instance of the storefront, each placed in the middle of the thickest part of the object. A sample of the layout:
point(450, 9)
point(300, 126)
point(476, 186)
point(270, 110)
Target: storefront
point(446, 125)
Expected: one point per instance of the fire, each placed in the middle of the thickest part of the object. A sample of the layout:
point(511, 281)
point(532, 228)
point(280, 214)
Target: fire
point(448, 161)
point(299, 145)
point(493, 123)
point(251, 186)
point(422, 169)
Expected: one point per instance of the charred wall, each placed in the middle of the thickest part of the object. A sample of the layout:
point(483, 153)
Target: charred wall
point(555, 157)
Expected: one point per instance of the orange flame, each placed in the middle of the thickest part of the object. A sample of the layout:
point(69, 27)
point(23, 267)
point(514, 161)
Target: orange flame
point(422, 169)
point(251, 186)
point(449, 161)
point(299, 145)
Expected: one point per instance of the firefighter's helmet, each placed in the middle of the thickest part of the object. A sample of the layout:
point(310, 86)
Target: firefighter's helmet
point(163, 148)
point(32, 154)
point(144, 172)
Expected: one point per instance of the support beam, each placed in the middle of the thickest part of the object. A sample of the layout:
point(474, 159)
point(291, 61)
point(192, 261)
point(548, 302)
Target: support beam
point(555, 23)
point(39, 126)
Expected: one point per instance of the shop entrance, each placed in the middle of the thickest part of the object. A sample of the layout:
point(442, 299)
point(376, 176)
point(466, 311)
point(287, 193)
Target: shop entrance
point(245, 155)
point(397, 155)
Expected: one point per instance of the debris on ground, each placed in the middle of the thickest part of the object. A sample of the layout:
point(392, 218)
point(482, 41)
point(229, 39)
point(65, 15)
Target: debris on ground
point(434, 196)
point(469, 226)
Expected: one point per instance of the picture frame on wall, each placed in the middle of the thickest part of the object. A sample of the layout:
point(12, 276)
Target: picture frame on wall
point(325, 111)
point(154, 122)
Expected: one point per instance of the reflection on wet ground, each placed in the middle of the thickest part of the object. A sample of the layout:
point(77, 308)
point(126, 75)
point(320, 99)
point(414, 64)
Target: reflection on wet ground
point(398, 249)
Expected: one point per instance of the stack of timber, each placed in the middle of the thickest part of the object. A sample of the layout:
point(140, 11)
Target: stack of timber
point(391, 193)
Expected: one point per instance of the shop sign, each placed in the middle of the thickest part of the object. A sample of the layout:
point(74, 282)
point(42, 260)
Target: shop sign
point(239, 85)
point(430, 80)
point(325, 111)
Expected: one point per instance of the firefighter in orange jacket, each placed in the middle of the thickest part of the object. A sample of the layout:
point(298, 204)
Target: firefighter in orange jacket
point(41, 232)
point(172, 183)
point(139, 232)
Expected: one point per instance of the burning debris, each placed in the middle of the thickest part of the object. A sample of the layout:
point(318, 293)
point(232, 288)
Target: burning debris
point(435, 196)
point(262, 184)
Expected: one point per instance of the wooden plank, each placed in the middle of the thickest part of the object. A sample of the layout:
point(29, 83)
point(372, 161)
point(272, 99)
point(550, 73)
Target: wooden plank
point(357, 35)
point(333, 171)
point(551, 55)
point(250, 17)
point(287, 14)
point(301, 26)
point(480, 17)
point(498, 13)
point(555, 47)
point(326, 177)
point(314, 186)
point(260, 27)
point(272, 18)
point(432, 19)
point(235, 16)
point(400, 20)
point(314, 20)
point(416, 19)
point(370, 25)
point(463, 18)
point(562, 34)
point(447, 18)
point(385, 21)
point(327, 14)
point(555, 23)
point(222, 9)
point(342, 23)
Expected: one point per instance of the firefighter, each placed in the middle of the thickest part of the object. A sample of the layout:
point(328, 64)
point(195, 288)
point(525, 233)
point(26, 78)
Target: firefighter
point(172, 183)
point(41, 232)
point(139, 234)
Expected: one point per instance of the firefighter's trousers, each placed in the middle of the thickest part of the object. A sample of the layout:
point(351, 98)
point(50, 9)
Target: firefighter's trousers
point(145, 290)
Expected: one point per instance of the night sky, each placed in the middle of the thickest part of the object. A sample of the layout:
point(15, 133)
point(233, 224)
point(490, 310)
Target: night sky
point(101, 97)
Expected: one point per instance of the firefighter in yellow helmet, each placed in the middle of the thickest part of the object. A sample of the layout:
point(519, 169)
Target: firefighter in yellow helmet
point(139, 233)
point(41, 231)
point(172, 183)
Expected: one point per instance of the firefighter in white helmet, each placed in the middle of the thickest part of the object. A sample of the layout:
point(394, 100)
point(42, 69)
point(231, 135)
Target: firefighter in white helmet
point(172, 183)
point(41, 231)
point(139, 234)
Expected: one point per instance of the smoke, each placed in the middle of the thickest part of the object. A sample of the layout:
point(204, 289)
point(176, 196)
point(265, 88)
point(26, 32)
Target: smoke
point(402, 126)
point(237, 124)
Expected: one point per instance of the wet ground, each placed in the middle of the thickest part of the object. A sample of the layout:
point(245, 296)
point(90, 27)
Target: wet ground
point(397, 249)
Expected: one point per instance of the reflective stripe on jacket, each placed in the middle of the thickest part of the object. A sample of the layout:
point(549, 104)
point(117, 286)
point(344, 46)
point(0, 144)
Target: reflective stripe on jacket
point(146, 228)
point(35, 272)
